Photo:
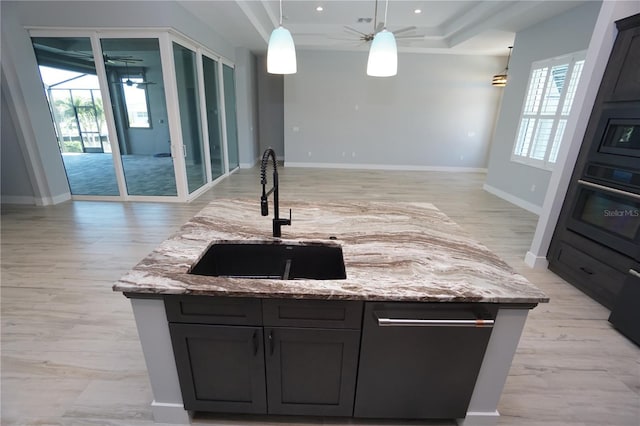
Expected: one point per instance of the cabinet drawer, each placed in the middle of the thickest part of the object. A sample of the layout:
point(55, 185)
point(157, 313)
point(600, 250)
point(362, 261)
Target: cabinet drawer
point(312, 313)
point(597, 279)
point(213, 310)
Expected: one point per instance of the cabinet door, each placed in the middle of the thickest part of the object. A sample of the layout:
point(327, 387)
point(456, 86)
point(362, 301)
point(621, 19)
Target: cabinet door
point(311, 371)
point(221, 368)
point(626, 311)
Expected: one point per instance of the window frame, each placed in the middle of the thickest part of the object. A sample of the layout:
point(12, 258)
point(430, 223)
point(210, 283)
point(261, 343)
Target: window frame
point(559, 117)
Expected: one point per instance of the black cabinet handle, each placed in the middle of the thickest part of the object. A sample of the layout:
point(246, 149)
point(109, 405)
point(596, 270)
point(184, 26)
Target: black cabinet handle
point(255, 343)
point(270, 342)
point(586, 270)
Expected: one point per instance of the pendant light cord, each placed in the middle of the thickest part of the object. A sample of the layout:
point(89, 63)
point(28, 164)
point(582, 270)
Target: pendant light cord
point(386, 6)
point(280, 12)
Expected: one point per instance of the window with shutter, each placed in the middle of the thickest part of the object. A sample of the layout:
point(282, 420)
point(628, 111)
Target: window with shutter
point(547, 106)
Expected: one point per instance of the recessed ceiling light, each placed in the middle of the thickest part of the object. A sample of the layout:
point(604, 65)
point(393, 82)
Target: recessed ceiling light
point(319, 8)
point(417, 11)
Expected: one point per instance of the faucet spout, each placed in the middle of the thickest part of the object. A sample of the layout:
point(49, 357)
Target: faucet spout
point(264, 204)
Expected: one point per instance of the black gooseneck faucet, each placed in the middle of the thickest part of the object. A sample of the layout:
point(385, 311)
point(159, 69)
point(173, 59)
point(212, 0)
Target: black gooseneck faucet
point(264, 205)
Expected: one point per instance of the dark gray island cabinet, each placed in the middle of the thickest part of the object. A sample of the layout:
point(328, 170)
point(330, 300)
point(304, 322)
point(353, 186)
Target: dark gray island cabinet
point(294, 357)
point(425, 325)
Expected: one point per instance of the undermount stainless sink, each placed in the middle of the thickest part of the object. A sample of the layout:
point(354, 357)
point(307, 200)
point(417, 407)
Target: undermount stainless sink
point(272, 260)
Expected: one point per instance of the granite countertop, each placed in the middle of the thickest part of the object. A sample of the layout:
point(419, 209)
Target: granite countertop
point(392, 252)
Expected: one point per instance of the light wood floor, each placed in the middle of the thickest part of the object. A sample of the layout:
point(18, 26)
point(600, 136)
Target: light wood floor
point(70, 351)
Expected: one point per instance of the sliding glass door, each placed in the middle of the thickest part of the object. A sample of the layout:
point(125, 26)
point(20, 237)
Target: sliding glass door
point(138, 114)
point(189, 105)
point(70, 81)
point(230, 114)
point(211, 81)
point(134, 74)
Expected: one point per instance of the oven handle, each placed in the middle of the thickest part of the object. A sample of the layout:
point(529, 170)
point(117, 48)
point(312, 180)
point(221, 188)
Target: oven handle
point(612, 190)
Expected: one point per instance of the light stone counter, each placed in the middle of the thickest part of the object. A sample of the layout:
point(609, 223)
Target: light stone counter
point(392, 252)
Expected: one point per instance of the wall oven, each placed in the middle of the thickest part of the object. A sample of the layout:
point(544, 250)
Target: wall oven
point(607, 208)
point(618, 133)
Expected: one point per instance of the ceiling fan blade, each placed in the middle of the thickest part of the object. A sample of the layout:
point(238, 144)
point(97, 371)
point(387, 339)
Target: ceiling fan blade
point(379, 27)
point(409, 37)
point(344, 38)
point(145, 83)
point(402, 30)
point(353, 30)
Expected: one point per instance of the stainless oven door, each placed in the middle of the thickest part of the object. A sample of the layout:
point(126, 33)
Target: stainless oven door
point(609, 216)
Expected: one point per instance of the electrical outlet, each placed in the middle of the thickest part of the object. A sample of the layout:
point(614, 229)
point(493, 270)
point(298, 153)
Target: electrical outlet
point(309, 154)
point(533, 188)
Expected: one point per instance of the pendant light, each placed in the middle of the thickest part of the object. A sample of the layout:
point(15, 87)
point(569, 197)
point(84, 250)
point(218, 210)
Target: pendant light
point(281, 52)
point(383, 55)
point(500, 80)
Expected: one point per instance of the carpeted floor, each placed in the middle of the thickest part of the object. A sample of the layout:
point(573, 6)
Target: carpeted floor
point(94, 174)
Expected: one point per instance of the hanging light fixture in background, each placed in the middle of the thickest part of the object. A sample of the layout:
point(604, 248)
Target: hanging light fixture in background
point(500, 80)
point(383, 55)
point(281, 52)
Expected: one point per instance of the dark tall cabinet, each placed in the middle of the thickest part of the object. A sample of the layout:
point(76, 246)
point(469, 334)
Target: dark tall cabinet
point(597, 237)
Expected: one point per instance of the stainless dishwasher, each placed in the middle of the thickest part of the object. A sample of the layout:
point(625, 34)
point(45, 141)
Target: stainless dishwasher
point(421, 360)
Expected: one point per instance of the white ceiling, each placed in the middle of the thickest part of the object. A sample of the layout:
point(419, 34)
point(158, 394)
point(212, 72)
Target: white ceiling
point(452, 26)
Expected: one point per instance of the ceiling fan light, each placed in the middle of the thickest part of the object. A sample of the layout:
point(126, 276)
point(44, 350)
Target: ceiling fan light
point(281, 52)
point(383, 55)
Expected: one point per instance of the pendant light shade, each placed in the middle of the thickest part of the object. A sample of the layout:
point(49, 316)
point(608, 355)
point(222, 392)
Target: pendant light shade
point(281, 52)
point(383, 55)
point(500, 80)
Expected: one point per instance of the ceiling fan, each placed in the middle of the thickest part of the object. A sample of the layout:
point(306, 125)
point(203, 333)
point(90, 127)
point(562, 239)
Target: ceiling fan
point(379, 26)
point(128, 82)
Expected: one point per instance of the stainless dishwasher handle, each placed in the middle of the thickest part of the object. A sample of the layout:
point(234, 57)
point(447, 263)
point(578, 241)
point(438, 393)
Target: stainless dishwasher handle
point(607, 189)
point(634, 273)
point(397, 322)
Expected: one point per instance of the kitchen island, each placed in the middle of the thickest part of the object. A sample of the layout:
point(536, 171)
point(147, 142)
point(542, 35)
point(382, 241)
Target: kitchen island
point(407, 264)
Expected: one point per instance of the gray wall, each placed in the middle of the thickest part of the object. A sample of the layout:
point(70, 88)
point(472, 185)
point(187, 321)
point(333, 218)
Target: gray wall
point(23, 86)
point(16, 183)
point(270, 108)
point(439, 111)
point(18, 61)
point(562, 34)
point(246, 92)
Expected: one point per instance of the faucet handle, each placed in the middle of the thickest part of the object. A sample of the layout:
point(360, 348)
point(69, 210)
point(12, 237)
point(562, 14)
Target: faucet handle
point(264, 206)
point(289, 216)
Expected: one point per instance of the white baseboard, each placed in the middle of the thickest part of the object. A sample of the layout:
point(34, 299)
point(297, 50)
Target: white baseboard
point(18, 199)
point(414, 168)
point(535, 209)
point(249, 165)
point(170, 413)
point(47, 201)
point(536, 262)
point(479, 419)
point(44, 201)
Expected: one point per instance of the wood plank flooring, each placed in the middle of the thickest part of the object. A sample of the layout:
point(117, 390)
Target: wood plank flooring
point(70, 350)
